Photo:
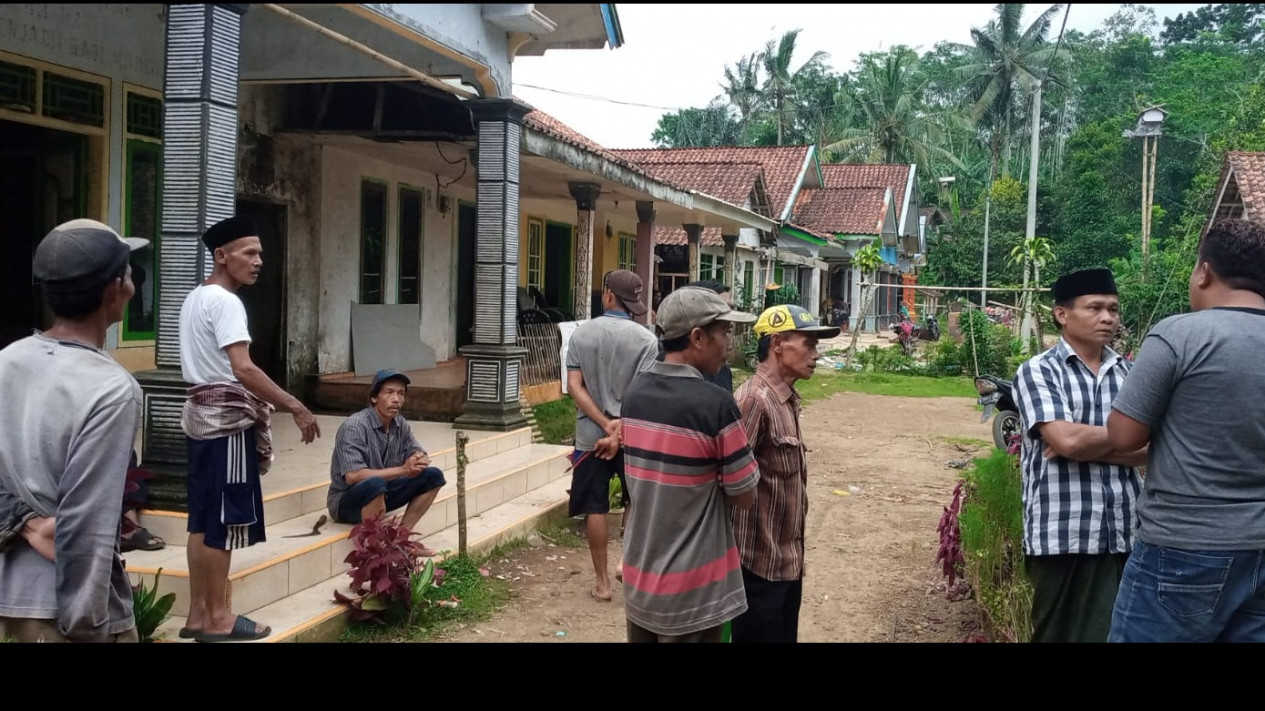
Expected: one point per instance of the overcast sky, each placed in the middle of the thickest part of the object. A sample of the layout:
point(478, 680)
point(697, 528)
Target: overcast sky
point(674, 56)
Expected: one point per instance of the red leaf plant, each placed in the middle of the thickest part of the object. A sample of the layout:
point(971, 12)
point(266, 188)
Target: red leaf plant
point(384, 561)
point(949, 555)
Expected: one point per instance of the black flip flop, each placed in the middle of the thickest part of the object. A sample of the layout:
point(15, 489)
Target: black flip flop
point(141, 540)
point(244, 630)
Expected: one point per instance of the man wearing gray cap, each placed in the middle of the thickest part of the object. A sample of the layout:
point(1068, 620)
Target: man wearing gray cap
point(603, 356)
point(70, 416)
point(226, 419)
point(686, 461)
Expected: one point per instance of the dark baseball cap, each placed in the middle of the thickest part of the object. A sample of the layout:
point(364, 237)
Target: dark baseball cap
point(691, 307)
point(384, 375)
point(82, 254)
point(627, 287)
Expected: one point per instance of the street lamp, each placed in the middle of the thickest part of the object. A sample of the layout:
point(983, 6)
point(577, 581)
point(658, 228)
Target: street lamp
point(1150, 121)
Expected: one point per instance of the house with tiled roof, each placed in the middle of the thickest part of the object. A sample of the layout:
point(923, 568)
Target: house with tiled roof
point(858, 204)
point(1240, 191)
point(766, 179)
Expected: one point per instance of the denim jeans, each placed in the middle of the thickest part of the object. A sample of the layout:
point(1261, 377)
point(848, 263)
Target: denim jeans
point(1174, 595)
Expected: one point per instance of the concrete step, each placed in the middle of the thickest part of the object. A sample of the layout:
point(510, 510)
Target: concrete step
point(297, 488)
point(308, 612)
point(282, 566)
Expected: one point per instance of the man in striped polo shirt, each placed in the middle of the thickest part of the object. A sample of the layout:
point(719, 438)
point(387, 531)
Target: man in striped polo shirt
point(771, 533)
point(686, 461)
point(1079, 494)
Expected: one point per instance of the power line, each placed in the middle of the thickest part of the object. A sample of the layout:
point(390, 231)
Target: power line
point(1054, 57)
point(591, 97)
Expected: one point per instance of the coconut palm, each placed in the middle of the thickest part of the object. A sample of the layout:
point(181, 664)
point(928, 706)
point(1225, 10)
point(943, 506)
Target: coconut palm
point(896, 127)
point(742, 88)
point(868, 260)
point(779, 81)
point(1006, 61)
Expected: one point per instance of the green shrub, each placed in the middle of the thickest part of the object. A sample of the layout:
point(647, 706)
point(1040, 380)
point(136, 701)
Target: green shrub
point(991, 524)
point(889, 360)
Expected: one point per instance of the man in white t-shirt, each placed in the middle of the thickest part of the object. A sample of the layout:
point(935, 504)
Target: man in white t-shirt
point(226, 422)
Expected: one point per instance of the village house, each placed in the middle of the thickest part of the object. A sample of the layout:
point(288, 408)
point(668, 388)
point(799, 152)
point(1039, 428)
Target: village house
point(410, 209)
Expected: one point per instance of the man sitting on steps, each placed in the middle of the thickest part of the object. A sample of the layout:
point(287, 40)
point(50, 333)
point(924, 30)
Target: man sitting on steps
point(377, 465)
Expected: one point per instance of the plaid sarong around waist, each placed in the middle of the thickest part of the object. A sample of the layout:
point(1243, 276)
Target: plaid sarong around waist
point(217, 410)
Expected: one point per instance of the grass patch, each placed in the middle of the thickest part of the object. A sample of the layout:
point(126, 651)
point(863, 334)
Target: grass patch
point(825, 383)
point(480, 598)
point(965, 441)
point(991, 524)
point(564, 533)
point(556, 420)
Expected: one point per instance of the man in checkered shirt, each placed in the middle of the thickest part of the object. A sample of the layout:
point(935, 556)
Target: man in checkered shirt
point(1079, 495)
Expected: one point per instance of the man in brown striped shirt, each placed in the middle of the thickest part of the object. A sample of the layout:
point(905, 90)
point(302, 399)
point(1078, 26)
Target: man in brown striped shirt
point(770, 534)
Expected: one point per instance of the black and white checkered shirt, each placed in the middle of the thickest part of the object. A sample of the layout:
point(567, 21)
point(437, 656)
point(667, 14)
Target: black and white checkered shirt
point(1070, 506)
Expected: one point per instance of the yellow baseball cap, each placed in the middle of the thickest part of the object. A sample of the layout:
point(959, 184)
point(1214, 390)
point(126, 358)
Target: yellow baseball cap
point(788, 317)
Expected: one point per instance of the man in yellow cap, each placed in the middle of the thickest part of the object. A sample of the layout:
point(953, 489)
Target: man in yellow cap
point(770, 534)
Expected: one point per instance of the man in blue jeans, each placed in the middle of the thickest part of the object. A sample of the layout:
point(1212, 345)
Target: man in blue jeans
point(378, 466)
point(1197, 569)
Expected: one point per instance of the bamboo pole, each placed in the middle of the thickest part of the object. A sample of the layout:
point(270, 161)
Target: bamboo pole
point(462, 439)
point(365, 49)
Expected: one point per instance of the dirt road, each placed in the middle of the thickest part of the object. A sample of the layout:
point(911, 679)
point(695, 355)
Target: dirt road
point(878, 481)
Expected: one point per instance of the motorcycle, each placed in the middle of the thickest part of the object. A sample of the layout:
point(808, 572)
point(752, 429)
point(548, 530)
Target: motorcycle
point(908, 334)
point(997, 394)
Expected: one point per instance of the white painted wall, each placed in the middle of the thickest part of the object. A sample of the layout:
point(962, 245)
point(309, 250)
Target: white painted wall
point(341, 175)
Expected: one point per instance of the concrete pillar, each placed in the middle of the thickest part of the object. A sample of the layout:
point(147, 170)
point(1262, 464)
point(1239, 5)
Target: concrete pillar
point(731, 261)
point(200, 82)
point(693, 235)
point(910, 281)
point(585, 195)
point(645, 254)
point(494, 361)
point(814, 292)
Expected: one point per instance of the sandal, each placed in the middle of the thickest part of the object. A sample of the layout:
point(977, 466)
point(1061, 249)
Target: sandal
point(244, 629)
point(141, 540)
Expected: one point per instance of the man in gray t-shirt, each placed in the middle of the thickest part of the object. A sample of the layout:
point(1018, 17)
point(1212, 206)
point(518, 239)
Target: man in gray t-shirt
point(603, 356)
point(1195, 394)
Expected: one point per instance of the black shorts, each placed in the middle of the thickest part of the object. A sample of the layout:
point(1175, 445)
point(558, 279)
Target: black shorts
point(399, 492)
point(590, 483)
point(226, 502)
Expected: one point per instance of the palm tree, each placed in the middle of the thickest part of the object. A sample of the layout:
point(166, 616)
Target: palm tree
point(896, 127)
point(742, 88)
point(868, 260)
point(1031, 254)
point(779, 81)
point(1005, 62)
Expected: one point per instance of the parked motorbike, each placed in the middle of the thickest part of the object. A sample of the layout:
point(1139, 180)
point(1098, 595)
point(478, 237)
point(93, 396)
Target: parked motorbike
point(908, 334)
point(997, 394)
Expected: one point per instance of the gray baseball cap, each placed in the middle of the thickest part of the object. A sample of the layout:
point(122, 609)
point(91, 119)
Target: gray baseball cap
point(691, 307)
point(81, 254)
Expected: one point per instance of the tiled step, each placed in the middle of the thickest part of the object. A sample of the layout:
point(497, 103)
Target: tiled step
point(282, 566)
point(298, 494)
point(308, 613)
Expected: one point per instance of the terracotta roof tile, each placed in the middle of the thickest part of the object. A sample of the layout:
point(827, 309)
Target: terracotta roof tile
point(1249, 173)
point(731, 182)
point(869, 175)
point(857, 211)
point(676, 235)
point(781, 164)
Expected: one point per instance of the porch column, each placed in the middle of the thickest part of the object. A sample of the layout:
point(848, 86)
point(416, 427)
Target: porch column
point(198, 190)
point(494, 361)
point(645, 255)
point(585, 195)
point(693, 235)
point(731, 261)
